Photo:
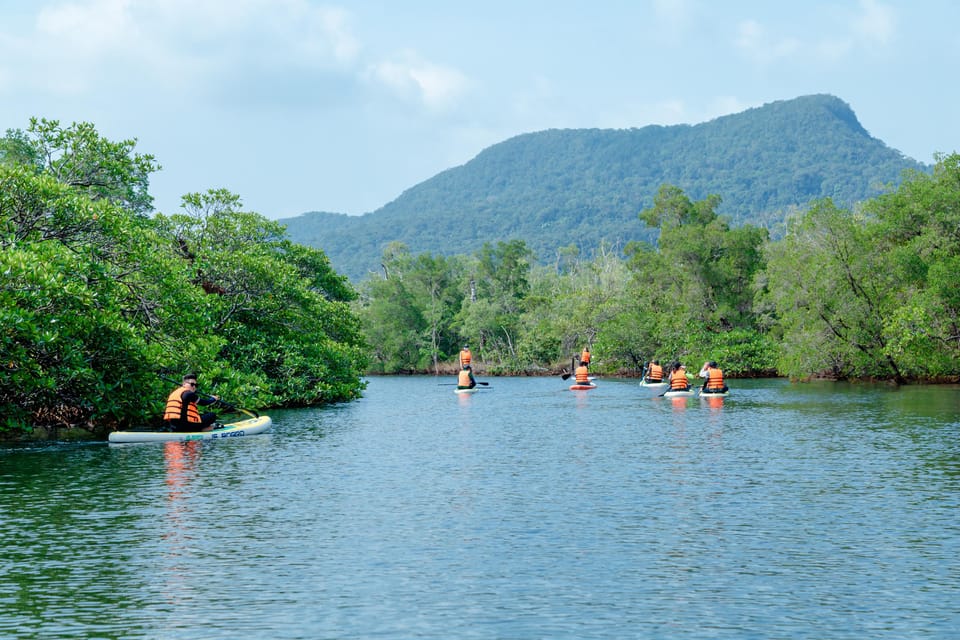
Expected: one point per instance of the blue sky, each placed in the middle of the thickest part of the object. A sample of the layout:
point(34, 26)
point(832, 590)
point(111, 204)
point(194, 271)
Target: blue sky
point(298, 105)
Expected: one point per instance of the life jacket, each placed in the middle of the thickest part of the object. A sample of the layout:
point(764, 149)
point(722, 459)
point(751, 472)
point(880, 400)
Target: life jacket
point(583, 375)
point(678, 380)
point(174, 409)
point(655, 373)
point(464, 379)
point(465, 356)
point(714, 379)
point(585, 356)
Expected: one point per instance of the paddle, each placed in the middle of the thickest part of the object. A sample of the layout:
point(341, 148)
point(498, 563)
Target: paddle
point(223, 403)
point(573, 366)
point(454, 384)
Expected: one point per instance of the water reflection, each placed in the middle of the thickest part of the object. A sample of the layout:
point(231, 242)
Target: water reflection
point(180, 463)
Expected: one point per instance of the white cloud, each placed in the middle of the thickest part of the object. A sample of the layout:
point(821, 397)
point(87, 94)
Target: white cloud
point(435, 86)
point(180, 45)
point(876, 23)
point(755, 41)
point(873, 24)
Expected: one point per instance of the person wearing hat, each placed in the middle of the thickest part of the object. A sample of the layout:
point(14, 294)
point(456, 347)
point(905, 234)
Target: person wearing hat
point(713, 378)
point(465, 357)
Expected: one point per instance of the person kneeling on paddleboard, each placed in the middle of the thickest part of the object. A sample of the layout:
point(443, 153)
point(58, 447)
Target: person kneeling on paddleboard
point(713, 382)
point(583, 374)
point(181, 412)
point(654, 372)
point(466, 379)
point(678, 378)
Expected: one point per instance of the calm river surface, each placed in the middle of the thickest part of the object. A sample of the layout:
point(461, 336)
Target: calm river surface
point(524, 511)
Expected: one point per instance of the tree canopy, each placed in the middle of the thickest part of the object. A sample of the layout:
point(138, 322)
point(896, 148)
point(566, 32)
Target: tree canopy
point(97, 299)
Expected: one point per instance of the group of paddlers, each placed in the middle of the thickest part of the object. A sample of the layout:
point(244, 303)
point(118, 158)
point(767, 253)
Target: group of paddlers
point(676, 375)
point(653, 373)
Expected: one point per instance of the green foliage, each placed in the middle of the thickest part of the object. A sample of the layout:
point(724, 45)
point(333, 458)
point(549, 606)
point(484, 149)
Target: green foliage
point(872, 294)
point(96, 298)
point(587, 185)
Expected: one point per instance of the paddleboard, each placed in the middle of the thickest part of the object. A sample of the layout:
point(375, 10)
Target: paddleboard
point(248, 427)
point(474, 390)
point(714, 394)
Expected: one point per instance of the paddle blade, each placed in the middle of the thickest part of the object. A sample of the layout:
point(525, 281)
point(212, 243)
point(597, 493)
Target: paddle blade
point(566, 376)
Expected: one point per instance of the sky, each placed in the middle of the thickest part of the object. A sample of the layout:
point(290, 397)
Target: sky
point(297, 106)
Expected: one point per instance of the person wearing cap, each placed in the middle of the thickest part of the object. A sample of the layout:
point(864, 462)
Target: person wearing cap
point(466, 380)
point(713, 378)
point(181, 412)
point(465, 357)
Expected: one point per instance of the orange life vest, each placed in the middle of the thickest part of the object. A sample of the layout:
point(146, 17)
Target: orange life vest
point(585, 356)
point(465, 356)
point(678, 380)
point(464, 379)
point(174, 409)
point(714, 379)
point(583, 375)
point(655, 373)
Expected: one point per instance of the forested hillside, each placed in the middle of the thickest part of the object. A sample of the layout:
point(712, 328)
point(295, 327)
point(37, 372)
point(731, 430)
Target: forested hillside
point(585, 186)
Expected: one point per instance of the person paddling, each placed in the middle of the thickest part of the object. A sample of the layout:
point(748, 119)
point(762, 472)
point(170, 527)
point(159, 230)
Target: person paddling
point(583, 374)
point(466, 380)
point(678, 378)
point(713, 379)
point(181, 412)
point(465, 357)
point(654, 372)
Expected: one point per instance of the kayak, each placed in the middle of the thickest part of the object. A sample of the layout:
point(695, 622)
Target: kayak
point(247, 427)
point(653, 385)
point(679, 394)
point(582, 387)
point(468, 391)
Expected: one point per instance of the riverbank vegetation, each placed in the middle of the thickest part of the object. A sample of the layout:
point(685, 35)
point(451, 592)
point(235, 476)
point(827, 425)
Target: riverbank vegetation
point(97, 298)
point(101, 298)
point(864, 293)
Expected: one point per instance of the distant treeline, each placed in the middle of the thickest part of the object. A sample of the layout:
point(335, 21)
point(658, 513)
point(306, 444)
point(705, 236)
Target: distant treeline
point(864, 293)
point(99, 302)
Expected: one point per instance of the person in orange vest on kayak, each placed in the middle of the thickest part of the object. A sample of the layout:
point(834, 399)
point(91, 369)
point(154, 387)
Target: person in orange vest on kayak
point(582, 374)
point(713, 382)
point(466, 380)
point(465, 357)
point(181, 412)
point(585, 357)
point(654, 372)
point(678, 378)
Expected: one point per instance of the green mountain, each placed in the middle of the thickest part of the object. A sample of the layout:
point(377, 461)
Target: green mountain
point(587, 186)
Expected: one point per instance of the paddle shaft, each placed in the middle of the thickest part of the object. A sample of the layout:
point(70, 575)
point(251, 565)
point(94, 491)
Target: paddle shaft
point(454, 384)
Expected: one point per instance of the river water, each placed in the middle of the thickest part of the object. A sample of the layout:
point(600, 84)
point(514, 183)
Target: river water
point(524, 511)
